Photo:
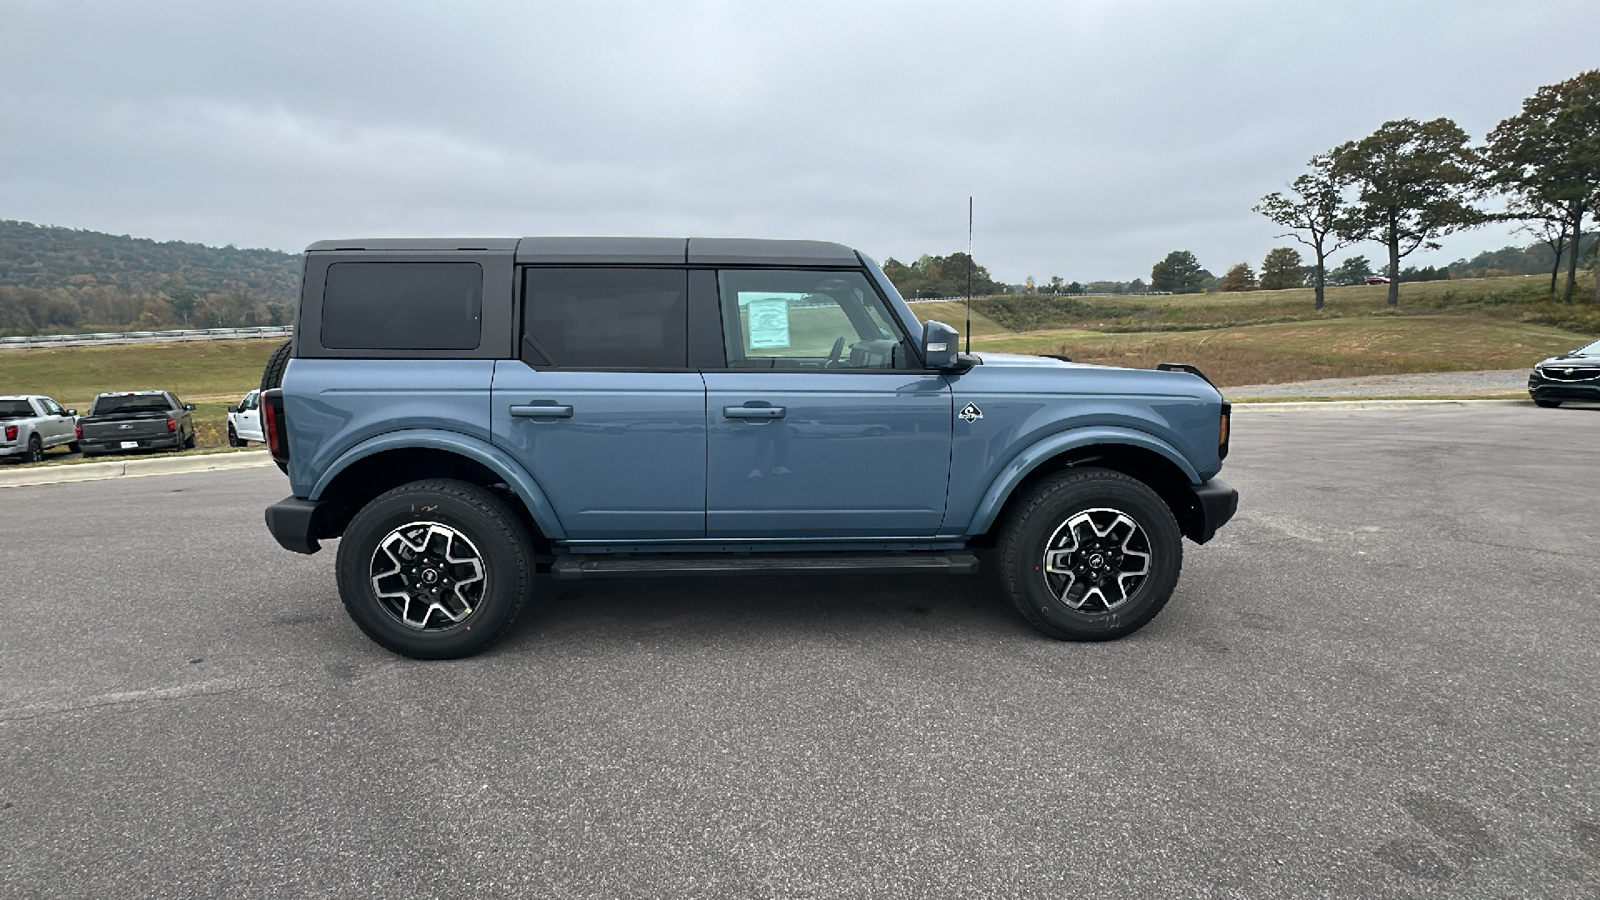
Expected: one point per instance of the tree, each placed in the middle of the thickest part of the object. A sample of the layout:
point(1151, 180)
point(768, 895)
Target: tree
point(1415, 182)
point(1354, 270)
point(1315, 206)
point(1179, 273)
point(1239, 278)
point(1282, 268)
point(183, 302)
point(1547, 159)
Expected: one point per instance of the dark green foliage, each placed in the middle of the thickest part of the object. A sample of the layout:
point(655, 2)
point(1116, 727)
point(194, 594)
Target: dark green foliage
point(1415, 182)
point(62, 280)
point(1354, 270)
point(1547, 161)
point(1179, 273)
point(1282, 268)
point(940, 276)
point(1427, 273)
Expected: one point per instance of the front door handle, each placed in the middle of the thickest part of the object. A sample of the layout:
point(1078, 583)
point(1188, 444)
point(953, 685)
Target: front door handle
point(542, 412)
point(753, 412)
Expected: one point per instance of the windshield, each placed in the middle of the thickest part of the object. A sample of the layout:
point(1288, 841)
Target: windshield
point(135, 404)
point(1591, 350)
point(12, 409)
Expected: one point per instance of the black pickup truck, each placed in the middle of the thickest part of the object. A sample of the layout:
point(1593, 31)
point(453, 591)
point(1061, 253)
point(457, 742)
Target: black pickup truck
point(136, 420)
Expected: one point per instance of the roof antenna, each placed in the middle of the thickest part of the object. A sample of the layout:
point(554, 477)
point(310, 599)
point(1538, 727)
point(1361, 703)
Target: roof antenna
point(969, 273)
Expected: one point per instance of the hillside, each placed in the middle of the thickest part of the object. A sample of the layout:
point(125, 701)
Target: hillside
point(56, 280)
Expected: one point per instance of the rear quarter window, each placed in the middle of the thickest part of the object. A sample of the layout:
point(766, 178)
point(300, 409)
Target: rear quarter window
point(402, 306)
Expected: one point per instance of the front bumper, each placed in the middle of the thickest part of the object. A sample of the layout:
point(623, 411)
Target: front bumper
point(1541, 388)
point(1213, 503)
point(293, 522)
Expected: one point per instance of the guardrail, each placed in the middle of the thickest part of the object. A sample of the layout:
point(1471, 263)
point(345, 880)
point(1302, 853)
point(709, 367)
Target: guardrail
point(21, 342)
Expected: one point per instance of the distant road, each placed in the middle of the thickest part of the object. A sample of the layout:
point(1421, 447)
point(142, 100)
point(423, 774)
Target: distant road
point(23, 342)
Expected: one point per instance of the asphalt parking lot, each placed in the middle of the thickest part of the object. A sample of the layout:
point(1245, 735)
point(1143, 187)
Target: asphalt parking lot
point(1380, 680)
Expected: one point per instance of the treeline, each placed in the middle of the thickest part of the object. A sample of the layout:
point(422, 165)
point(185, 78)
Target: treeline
point(941, 276)
point(55, 280)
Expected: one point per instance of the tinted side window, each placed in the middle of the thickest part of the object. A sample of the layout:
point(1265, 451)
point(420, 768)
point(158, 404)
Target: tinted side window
point(402, 306)
point(606, 318)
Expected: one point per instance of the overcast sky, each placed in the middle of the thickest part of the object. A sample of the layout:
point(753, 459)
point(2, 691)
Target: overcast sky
point(1096, 135)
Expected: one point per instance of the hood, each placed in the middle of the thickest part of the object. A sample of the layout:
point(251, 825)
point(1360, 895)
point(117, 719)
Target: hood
point(1571, 359)
point(1025, 374)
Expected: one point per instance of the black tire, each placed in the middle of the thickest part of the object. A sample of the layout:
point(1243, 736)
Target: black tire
point(190, 441)
point(233, 437)
point(272, 375)
point(443, 512)
point(35, 450)
point(1090, 500)
point(74, 447)
point(1547, 404)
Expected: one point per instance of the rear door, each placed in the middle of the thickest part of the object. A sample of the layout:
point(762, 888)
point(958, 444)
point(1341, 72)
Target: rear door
point(823, 423)
point(56, 427)
point(602, 407)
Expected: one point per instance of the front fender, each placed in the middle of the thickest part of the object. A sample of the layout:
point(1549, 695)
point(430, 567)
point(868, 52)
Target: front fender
point(1037, 453)
point(479, 451)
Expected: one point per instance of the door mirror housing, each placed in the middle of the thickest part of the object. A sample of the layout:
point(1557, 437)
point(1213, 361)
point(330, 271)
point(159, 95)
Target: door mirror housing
point(189, 407)
point(72, 412)
point(941, 348)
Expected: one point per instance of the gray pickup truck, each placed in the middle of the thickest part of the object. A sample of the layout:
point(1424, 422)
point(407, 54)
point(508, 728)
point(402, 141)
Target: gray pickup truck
point(136, 420)
point(30, 424)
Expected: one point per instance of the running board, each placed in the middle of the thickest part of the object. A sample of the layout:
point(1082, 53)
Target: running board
point(572, 567)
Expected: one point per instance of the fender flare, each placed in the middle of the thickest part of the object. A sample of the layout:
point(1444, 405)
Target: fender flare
point(1037, 453)
point(489, 456)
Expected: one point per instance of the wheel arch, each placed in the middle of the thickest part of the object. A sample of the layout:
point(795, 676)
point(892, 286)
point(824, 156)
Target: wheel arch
point(397, 458)
point(1141, 456)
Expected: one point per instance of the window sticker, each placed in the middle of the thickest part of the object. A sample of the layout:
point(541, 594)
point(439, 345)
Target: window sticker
point(768, 316)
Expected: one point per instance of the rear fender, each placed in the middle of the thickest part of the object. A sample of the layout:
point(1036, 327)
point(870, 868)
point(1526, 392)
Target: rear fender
point(472, 448)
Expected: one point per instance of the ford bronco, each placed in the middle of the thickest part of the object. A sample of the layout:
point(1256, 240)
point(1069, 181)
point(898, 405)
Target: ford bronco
point(464, 414)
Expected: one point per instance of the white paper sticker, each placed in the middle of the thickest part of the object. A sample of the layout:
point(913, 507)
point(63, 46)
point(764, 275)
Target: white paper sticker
point(768, 315)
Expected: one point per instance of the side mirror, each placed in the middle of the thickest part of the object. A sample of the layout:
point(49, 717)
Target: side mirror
point(72, 412)
point(234, 408)
point(940, 345)
point(189, 407)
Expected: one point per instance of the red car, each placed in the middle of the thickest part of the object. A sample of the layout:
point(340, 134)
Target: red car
point(1377, 279)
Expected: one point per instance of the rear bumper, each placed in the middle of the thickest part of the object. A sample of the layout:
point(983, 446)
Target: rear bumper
point(293, 523)
point(114, 445)
point(1214, 503)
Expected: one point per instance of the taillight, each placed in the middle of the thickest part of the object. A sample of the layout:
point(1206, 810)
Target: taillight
point(275, 426)
point(172, 424)
point(78, 430)
point(1223, 431)
point(11, 432)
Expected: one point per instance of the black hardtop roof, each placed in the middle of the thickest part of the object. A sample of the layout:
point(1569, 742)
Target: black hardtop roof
point(623, 250)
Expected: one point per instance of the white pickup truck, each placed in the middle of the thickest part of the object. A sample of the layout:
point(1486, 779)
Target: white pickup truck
point(244, 421)
point(31, 424)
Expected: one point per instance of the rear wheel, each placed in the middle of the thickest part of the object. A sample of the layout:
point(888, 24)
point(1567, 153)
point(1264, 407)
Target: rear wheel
point(435, 569)
point(189, 442)
point(35, 450)
point(74, 447)
point(1090, 555)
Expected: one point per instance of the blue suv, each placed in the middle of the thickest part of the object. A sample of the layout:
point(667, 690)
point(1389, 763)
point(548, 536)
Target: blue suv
point(464, 414)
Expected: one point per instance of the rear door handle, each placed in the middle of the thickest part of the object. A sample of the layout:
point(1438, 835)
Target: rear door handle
point(542, 412)
point(753, 412)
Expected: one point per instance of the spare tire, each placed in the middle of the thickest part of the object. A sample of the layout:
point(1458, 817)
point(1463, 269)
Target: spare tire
point(272, 375)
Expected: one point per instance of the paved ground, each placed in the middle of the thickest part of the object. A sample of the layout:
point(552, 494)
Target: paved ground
point(1382, 680)
point(1429, 384)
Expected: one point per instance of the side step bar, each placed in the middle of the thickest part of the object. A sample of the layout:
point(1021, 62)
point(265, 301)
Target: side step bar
point(572, 567)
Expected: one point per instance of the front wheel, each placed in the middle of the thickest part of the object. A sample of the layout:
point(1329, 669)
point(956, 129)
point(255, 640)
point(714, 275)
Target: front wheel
point(1090, 555)
point(435, 569)
point(233, 437)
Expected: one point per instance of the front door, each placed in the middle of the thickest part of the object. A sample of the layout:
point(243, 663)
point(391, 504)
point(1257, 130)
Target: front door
point(822, 424)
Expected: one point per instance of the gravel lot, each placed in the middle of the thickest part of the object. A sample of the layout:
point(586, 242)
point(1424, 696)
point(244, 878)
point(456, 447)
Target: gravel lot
point(1431, 384)
point(1381, 680)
